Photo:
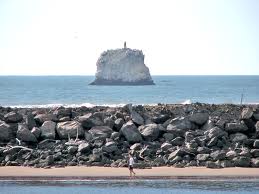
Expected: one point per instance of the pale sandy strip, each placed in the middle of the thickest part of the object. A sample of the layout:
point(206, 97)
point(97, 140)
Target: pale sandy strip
point(121, 172)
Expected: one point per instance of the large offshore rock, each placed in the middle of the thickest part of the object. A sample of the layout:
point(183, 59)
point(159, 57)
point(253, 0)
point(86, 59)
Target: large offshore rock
point(131, 133)
point(70, 128)
point(122, 67)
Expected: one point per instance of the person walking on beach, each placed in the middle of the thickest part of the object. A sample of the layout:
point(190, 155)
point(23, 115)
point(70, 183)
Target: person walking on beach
point(131, 163)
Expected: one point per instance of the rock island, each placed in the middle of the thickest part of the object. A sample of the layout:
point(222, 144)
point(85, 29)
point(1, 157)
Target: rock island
point(123, 66)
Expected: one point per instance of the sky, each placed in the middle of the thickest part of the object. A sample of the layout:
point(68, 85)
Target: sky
point(178, 37)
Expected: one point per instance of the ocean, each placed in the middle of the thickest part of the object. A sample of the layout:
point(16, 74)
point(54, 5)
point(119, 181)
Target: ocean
point(176, 186)
point(47, 91)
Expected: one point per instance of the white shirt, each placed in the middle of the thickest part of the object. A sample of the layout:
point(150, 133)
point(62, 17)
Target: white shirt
point(131, 161)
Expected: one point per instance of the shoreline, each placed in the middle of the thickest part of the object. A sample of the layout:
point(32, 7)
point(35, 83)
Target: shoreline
point(107, 173)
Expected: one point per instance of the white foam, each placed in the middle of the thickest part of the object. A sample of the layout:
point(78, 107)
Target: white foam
point(186, 102)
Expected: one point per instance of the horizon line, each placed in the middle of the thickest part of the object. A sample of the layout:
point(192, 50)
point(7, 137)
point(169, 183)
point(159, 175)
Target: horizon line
point(151, 75)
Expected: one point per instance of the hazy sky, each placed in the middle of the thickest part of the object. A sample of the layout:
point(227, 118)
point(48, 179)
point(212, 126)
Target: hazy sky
point(177, 37)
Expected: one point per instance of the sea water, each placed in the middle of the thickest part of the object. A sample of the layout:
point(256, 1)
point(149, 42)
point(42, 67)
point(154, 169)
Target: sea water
point(22, 91)
point(176, 186)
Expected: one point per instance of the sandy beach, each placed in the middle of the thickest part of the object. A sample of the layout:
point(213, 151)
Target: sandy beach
point(9, 173)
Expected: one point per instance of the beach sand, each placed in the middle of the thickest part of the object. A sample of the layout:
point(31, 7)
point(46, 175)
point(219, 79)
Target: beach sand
point(8, 173)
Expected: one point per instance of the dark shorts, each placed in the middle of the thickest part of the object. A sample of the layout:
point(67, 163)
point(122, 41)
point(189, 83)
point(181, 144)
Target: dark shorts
point(130, 167)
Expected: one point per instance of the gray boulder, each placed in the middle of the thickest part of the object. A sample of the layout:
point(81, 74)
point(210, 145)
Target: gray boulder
point(255, 162)
point(5, 131)
point(29, 121)
point(242, 161)
point(41, 118)
point(13, 117)
point(166, 146)
point(255, 152)
point(202, 157)
point(48, 130)
point(70, 128)
point(110, 147)
point(247, 113)
point(149, 132)
point(118, 123)
point(84, 147)
point(169, 136)
point(100, 132)
point(25, 134)
point(36, 132)
point(199, 118)
point(215, 132)
point(236, 127)
point(238, 137)
point(137, 118)
point(218, 155)
point(90, 120)
point(256, 143)
point(180, 123)
point(231, 154)
point(208, 125)
point(178, 141)
point(131, 133)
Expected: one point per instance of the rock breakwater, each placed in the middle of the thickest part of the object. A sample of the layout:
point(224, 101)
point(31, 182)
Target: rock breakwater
point(215, 136)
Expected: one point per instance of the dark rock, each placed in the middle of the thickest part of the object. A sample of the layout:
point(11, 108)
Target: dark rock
point(41, 118)
point(149, 132)
point(179, 123)
point(218, 155)
point(61, 112)
point(47, 144)
point(255, 162)
point(202, 157)
point(178, 141)
point(242, 161)
point(210, 164)
point(36, 132)
point(69, 129)
point(13, 117)
point(109, 122)
point(231, 154)
point(118, 123)
point(25, 134)
point(255, 152)
point(131, 133)
point(137, 118)
point(48, 130)
point(256, 143)
point(208, 125)
point(29, 121)
point(169, 136)
point(84, 147)
point(178, 152)
point(238, 137)
point(215, 132)
point(5, 131)
point(89, 120)
point(199, 118)
point(72, 149)
point(161, 118)
point(212, 142)
point(166, 146)
point(110, 147)
point(236, 127)
point(100, 132)
point(247, 113)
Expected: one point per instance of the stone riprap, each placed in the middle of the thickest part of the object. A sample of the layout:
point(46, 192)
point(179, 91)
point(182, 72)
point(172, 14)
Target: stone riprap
point(215, 136)
point(122, 67)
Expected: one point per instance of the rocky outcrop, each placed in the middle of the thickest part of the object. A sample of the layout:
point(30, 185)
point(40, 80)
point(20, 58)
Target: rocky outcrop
point(213, 136)
point(122, 67)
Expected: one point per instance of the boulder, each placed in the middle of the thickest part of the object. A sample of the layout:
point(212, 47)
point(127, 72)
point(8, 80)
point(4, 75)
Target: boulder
point(25, 134)
point(110, 147)
point(202, 157)
point(236, 127)
point(231, 154)
point(256, 143)
point(84, 147)
point(41, 118)
point(72, 149)
point(61, 112)
point(169, 136)
point(137, 118)
point(247, 113)
point(90, 120)
point(36, 132)
point(179, 123)
point(255, 152)
point(255, 162)
point(29, 121)
point(13, 117)
point(118, 123)
point(109, 122)
point(131, 133)
point(218, 155)
point(238, 137)
point(215, 132)
point(199, 118)
point(122, 67)
point(178, 141)
point(242, 161)
point(69, 128)
point(208, 125)
point(160, 118)
point(149, 132)
point(5, 131)
point(100, 132)
point(48, 130)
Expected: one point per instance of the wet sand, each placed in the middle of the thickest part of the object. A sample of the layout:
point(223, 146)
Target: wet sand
point(22, 173)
